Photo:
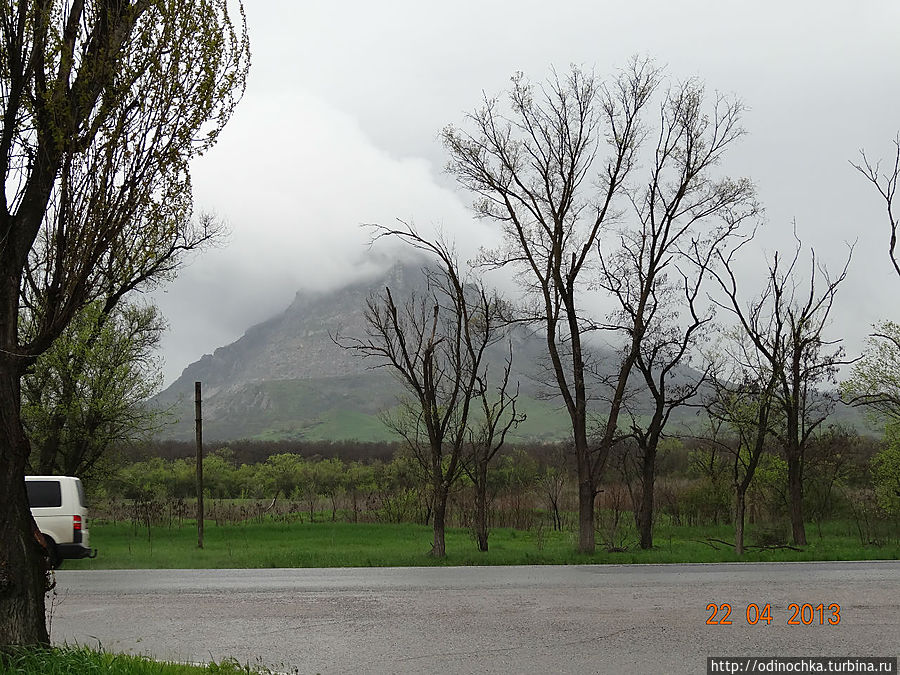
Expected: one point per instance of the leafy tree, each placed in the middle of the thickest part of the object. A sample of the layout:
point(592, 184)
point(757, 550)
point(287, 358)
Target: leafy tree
point(152, 479)
point(834, 461)
point(86, 392)
point(219, 479)
point(886, 472)
point(251, 481)
point(282, 474)
point(874, 380)
point(104, 103)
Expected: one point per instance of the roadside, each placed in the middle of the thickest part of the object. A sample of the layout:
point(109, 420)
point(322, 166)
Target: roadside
point(268, 542)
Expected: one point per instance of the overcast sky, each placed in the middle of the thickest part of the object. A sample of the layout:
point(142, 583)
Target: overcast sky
point(345, 100)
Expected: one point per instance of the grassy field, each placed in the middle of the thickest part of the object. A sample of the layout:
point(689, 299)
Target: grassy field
point(82, 660)
point(340, 544)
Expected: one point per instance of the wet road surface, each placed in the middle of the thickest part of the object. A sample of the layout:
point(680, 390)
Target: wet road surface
point(545, 619)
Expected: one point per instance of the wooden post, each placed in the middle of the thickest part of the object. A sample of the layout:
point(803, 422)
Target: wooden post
point(199, 420)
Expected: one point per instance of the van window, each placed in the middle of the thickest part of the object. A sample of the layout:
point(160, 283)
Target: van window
point(43, 493)
point(81, 500)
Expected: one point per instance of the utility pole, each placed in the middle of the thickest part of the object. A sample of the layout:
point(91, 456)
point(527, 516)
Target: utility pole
point(199, 420)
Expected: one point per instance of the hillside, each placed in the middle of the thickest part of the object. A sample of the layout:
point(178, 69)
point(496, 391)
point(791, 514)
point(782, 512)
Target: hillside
point(286, 378)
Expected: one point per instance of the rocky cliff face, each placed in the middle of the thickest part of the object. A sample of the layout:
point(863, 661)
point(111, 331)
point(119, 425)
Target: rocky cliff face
point(296, 344)
point(287, 377)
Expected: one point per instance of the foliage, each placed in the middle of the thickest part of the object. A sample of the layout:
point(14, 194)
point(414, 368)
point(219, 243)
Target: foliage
point(837, 460)
point(768, 491)
point(104, 106)
point(705, 501)
point(886, 472)
point(87, 391)
point(82, 660)
point(874, 381)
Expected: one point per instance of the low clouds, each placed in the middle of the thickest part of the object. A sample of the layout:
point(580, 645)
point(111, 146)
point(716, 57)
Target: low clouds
point(340, 125)
point(295, 179)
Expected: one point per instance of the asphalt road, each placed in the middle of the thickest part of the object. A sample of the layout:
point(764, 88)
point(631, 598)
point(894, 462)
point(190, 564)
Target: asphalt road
point(581, 619)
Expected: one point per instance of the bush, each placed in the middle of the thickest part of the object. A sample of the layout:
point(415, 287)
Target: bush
point(886, 472)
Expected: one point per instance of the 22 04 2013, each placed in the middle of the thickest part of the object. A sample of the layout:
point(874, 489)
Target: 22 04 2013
point(797, 614)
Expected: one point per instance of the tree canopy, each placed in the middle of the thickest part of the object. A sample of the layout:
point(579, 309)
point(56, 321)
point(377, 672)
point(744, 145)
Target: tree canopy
point(103, 103)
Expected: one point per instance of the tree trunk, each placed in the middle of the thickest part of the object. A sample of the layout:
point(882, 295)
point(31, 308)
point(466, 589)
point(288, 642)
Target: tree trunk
point(795, 491)
point(586, 492)
point(438, 547)
point(557, 519)
point(586, 516)
point(23, 565)
point(481, 526)
point(739, 509)
point(648, 476)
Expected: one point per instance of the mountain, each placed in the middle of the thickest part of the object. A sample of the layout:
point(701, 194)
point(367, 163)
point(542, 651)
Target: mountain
point(286, 378)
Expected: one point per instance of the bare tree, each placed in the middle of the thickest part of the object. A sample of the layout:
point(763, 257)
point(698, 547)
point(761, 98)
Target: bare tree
point(657, 277)
point(104, 104)
point(875, 379)
point(743, 409)
point(552, 483)
point(660, 356)
point(532, 172)
point(786, 326)
point(434, 343)
point(540, 171)
point(742, 413)
point(885, 182)
point(486, 437)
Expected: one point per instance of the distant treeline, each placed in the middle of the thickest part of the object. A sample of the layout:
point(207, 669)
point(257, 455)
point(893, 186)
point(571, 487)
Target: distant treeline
point(254, 451)
point(248, 451)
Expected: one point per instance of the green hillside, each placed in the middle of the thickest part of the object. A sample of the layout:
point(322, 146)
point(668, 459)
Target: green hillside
point(338, 408)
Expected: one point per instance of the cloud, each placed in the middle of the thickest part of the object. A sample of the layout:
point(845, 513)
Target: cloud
point(339, 127)
point(295, 179)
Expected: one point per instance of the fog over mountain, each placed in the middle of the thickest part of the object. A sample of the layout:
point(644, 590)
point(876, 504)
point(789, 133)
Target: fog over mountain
point(286, 377)
point(345, 102)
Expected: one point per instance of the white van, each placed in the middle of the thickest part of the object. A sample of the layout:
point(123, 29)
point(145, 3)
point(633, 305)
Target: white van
point(58, 506)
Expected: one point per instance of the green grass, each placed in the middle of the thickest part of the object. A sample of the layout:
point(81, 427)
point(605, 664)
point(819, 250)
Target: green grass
point(338, 544)
point(84, 661)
